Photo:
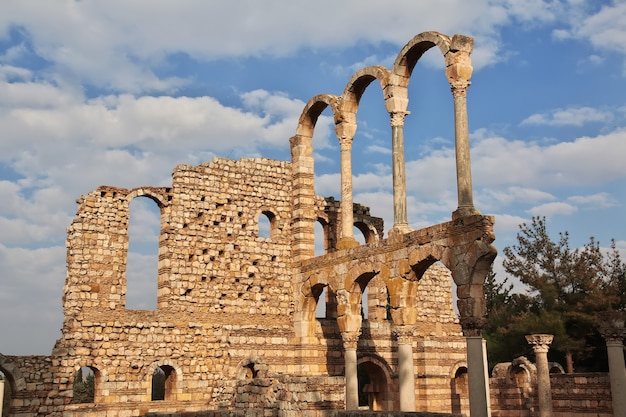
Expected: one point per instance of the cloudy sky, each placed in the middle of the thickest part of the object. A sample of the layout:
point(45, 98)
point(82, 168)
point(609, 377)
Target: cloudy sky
point(119, 92)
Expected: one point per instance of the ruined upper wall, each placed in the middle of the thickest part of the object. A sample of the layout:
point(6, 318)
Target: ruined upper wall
point(211, 257)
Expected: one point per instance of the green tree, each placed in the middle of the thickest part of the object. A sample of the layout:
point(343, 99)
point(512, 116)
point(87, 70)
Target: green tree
point(84, 384)
point(567, 288)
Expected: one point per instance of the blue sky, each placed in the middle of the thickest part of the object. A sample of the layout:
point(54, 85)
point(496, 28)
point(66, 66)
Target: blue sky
point(118, 93)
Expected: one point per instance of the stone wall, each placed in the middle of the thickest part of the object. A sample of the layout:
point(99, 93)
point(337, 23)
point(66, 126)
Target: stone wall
point(514, 392)
point(224, 331)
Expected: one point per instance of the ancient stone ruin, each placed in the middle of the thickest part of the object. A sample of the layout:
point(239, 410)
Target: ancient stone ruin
point(235, 328)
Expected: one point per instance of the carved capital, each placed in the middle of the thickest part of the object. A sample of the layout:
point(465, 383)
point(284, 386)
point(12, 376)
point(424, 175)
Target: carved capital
point(540, 342)
point(345, 144)
point(459, 88)
point(611, 326)
point(404, 334)
point(397, 118)
point(473, 326)
point(350, 339)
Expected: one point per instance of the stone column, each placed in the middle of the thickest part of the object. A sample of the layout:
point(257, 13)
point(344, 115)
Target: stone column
point(350, 340)
point(477, 369)
point(459, 71)
point(406, 367)
point(541, 345)
point(400, 222)
point(345, 132)
point(1, 394)
point(612, 329)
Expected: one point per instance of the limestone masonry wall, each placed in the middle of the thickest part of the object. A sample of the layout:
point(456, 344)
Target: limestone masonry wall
point(223, 330)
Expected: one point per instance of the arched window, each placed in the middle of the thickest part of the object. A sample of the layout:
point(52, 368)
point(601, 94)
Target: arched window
point(267, 224)
point(84, 386)
point(163, 383)
point(144, 228)
point(321, 237)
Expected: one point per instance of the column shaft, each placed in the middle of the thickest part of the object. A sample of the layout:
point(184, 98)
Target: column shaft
point(478, 378)
point(347, 214)
point(462, 146)
point(617, 376)
point(399, 177)
point(1, 395)
point(406, 376)
point(352, 380)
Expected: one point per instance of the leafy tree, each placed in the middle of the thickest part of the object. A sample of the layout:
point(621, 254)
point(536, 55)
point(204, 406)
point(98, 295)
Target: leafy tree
point(567, 288)
point(83, 386)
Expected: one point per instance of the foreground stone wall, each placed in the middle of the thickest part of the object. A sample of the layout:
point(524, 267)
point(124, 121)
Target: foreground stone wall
point(228, 297)
point(514, 392)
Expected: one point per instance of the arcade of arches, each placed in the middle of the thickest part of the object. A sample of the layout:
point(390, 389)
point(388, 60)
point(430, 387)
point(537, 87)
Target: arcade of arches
point(235, 323)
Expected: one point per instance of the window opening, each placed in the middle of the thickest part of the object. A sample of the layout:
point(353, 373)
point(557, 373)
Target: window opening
point(320, 309)
point(321, 239)
point(359, 236)
point(163, 383)
point(364, 304)
point(144, 228)
point(84, 386)
point(266, 224)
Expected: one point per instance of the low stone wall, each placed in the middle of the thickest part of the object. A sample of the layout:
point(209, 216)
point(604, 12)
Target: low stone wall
point(582, 395)
point(513, 389)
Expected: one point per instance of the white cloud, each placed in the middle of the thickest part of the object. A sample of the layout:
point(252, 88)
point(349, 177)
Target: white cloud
point(576, 116)
point(584, 161)
point(378, 149)
point(600, 200)
point(84, 41)
point(552, 209)
point(606, 29)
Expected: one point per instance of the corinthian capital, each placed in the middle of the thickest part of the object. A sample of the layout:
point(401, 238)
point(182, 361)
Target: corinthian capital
point(611, 325)
point(397, 118)
point(404, 334)
point(350, 339)
point(540, 342)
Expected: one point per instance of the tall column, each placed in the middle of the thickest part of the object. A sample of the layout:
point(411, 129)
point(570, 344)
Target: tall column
point(477, 369)
point(406, 367)
point(350, 340)
point(459, 71)
point(612, 329)
point(541, 345)
point(400, 222)
point(345, 132)
point(1, 394)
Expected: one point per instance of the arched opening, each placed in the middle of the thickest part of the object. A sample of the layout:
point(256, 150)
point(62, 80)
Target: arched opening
point(373, 387)
point(460, 393)
point(326, 300)
point(363, 233)
point(320, 294)
point(321, 237)
point(359, 235)
point(267, 224)
point(144, 228)
point(163, 383)
point(430, 99)
point(6, 393)
point(84, 386)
